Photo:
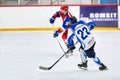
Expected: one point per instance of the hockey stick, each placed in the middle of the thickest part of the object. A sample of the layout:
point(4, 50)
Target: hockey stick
point(48, 68)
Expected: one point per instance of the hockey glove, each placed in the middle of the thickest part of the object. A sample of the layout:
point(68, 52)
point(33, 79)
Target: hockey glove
point(52, 20)
point(56, 33)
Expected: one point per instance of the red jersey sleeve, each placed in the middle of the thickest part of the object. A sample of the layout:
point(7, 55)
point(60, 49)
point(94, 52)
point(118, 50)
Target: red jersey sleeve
point(57, 14)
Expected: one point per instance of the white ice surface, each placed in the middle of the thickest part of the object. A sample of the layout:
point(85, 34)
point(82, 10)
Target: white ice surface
point(21, 54)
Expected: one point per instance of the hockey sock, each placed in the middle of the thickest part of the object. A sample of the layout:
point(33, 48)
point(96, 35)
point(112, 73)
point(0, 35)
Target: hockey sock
point(83, 57)
point(97, 60)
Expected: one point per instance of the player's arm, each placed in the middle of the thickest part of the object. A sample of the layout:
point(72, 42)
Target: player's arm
point(56, 33)
point(63, 28)
point(52, 19)
point(91, 25)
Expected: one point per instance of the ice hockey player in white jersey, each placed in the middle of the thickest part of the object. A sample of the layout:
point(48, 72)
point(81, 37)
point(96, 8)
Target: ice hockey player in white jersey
point(82, 31)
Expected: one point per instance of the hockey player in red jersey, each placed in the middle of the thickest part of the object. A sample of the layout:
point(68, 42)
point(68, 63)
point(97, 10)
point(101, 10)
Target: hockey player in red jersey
point(65, 15)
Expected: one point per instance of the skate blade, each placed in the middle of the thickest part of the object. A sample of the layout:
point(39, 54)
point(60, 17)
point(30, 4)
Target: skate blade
point(68, 55)
point(83, 68)
point(104, 69)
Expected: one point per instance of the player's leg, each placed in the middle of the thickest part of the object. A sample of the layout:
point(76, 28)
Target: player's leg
point(70, 44)
point(100, 64)
point(83, 56)
point(68, 40)
point(91, 54)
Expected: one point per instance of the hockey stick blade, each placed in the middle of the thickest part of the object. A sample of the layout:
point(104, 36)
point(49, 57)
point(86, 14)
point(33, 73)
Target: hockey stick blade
point(48, 68)
point(44, 68)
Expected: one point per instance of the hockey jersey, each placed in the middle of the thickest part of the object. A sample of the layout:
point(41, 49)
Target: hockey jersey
point(82, 30)
point(64, 19)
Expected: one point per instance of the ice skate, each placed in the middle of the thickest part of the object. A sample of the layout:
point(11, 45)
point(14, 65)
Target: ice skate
point(83, 65)
point(103, 67)
point(69, 52)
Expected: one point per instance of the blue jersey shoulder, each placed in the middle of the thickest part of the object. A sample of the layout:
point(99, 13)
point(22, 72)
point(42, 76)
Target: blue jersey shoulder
point(91, 24)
